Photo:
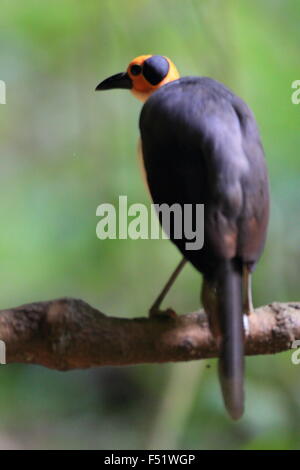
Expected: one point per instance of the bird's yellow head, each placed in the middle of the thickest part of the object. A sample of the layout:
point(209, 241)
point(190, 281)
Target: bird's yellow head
point(144, 75)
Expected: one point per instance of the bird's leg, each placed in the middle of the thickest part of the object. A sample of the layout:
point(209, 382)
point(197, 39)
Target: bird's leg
point(155, 309)
point(247, 294)
point(247, 288)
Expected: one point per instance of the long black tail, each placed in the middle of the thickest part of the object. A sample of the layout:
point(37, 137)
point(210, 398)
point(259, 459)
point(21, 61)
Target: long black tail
point(231, 362)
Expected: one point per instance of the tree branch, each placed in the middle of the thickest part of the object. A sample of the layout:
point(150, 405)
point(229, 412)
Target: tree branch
point(68, 333)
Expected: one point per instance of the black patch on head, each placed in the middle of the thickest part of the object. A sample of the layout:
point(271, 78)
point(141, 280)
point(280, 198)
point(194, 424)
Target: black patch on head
point(135, 69)
point(155, 69)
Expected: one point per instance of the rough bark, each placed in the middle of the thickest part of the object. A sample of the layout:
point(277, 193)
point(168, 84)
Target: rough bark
point(68, 334)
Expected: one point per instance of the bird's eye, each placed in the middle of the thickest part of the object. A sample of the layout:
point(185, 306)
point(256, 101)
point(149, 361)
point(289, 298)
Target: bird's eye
point(135, 69)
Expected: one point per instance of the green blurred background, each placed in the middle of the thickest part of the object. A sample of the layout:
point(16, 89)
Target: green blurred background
point(65, 149)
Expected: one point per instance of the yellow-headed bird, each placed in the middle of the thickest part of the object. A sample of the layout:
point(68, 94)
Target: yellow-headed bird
point(200, 145)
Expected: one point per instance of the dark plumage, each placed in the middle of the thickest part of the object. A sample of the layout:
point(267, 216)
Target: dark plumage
point(201, 144)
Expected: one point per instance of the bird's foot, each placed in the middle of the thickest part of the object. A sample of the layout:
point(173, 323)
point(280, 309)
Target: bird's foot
point(155, 312)
point(247, 323)
point(248, 309)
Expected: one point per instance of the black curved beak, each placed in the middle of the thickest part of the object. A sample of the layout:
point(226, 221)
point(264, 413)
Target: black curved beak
point(120, 80)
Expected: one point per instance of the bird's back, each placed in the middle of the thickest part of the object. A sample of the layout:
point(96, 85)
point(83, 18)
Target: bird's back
point(201, 145)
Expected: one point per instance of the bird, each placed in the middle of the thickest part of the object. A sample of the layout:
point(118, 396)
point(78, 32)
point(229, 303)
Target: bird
point(200, 144)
